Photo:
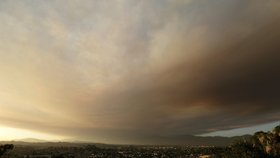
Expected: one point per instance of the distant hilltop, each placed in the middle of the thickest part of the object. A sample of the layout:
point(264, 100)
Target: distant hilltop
point(30, 140)
point(188, 140)
point(265, 139)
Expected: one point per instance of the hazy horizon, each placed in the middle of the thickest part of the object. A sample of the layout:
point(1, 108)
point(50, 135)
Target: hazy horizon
point(136, 71)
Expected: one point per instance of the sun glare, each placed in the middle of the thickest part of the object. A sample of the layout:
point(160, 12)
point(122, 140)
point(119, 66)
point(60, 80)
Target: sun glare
point(8, 133)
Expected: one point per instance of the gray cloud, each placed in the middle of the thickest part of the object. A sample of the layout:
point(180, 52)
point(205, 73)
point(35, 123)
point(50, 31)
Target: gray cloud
point(123, 71)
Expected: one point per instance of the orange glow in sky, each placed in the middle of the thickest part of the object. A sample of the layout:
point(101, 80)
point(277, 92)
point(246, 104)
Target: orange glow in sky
point(8, 133)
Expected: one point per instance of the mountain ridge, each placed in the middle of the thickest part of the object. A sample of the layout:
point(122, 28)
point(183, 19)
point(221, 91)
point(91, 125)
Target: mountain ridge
point(189, 140)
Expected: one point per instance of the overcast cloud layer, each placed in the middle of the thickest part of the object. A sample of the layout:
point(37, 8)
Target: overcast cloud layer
point(124, 71)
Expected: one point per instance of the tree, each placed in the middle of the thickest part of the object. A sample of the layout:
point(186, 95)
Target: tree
point(245, 149)
point(5, 148)
point(276, 130)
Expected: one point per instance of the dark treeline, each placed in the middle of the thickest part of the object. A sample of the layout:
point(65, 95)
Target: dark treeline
point(5, 148)
point(260, 145)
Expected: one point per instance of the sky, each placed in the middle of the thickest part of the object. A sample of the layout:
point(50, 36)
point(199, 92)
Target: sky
point(127, 71)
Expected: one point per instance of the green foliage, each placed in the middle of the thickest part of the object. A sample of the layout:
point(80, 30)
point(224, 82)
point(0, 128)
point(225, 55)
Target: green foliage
point(261, 145)
point(244, 149)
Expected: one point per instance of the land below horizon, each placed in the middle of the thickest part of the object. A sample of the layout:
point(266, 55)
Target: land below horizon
point(187, 140)
point(261, 144)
